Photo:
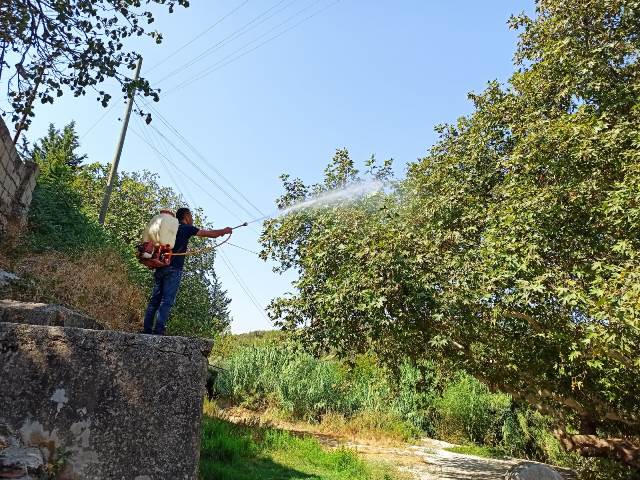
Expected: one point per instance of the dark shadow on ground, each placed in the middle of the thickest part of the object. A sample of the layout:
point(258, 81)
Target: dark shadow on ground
point(250, 469)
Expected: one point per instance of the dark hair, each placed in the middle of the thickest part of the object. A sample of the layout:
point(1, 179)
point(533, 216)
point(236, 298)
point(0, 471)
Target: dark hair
point(181, 212)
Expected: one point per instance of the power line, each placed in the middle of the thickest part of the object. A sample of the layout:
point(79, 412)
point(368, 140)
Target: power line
point(243, 285)
point(202, 172)
point(151, 140)
point(232, 36)
point(201, 34)
point(242, 248)
point(207, 30)
point(174, 179)
point(204, 190)
point(223, 63)
point(95, 124)
point(193, 149)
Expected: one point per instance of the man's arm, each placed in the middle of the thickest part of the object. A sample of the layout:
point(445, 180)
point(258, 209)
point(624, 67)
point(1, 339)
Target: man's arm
point(214, 233)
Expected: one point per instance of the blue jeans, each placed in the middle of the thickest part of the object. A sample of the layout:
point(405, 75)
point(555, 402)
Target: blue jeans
point(163, 296)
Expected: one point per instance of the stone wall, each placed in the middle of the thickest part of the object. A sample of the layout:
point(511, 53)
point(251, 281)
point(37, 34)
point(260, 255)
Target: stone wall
point(104, 404)
point(17, 181)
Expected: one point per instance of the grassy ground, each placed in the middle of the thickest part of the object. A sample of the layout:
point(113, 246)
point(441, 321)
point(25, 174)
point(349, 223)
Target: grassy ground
point(478, 451)
point(240, 452)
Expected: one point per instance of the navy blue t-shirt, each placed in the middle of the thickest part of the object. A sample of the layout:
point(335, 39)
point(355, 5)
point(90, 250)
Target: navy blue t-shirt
point(185, 232)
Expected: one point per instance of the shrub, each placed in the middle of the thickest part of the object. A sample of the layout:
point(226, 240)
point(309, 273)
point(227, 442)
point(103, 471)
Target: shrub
point(416, 395)
point(469, 412)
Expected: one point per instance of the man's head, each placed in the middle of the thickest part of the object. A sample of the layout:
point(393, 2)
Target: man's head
point(184, 216)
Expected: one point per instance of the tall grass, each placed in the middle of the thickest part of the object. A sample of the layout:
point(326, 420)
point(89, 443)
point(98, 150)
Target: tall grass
point(308, 388)
point(364, 397)
point(469, 412)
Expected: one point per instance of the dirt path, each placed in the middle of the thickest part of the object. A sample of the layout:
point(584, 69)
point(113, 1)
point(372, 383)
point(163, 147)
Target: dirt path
point(426, 459)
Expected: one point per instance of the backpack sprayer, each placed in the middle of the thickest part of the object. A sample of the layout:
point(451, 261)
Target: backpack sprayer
point(158, 239)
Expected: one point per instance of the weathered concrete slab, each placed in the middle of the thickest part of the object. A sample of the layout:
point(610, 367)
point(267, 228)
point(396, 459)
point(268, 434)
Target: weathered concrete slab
point(115, 405)
point(533, 471)
point(13, 311)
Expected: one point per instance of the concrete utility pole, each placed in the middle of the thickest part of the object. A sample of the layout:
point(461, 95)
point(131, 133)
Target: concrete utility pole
point(116, 158)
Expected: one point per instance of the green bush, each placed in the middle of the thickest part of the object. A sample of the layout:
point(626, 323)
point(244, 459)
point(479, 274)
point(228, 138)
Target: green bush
point(469, 412)
point(363, 396)
point(56, 220)
point(526, 433)
point(305, 387)
point(416, 393)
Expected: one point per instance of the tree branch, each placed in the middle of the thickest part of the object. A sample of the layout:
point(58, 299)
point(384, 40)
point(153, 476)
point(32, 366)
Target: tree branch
point(619, 449)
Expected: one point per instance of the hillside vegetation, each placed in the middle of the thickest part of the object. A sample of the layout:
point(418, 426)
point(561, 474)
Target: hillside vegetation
point(66, 257)
point(271, 375)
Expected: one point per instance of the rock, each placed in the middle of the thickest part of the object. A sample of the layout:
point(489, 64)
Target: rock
point(111, 405)
point(532, 471)
point(26, 458)
point(14, 311)
point(7, 277)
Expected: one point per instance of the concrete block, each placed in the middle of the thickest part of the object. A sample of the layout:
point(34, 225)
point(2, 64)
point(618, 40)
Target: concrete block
point(533, 471)
point(32, 313)
point(116, 405)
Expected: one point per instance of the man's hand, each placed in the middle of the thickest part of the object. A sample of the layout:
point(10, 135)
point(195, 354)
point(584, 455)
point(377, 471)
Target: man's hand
point(214, 233)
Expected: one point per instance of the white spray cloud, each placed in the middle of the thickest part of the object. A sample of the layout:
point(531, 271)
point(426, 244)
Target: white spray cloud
point(348, 194)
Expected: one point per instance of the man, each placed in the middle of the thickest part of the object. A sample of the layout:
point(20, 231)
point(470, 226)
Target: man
point(167, 279)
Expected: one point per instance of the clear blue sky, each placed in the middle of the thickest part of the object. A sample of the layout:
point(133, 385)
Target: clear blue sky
point(372, 76)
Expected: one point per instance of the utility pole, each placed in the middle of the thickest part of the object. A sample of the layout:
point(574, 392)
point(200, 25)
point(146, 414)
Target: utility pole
point(116, 158)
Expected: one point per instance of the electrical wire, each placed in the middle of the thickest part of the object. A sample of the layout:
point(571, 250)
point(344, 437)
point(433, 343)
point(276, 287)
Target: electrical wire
point(195, 151)
point(204, 190)
point(202, 172)
point(195, 165)
point(242, 248)
point(200, 35)
point(243, 285)
point(95, 124)
point(223, 63)
point(232, 36)
point(169, 171)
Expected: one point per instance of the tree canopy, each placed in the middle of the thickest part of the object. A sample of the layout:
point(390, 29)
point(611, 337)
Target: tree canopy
point(47, 47)
point(513, 248)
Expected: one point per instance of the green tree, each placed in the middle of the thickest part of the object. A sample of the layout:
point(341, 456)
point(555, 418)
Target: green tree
point(56, 219)
point(513, 247)
point(49, 46)
point(56, 149)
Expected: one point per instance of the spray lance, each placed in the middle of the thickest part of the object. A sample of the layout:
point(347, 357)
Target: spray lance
point(212, 247)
